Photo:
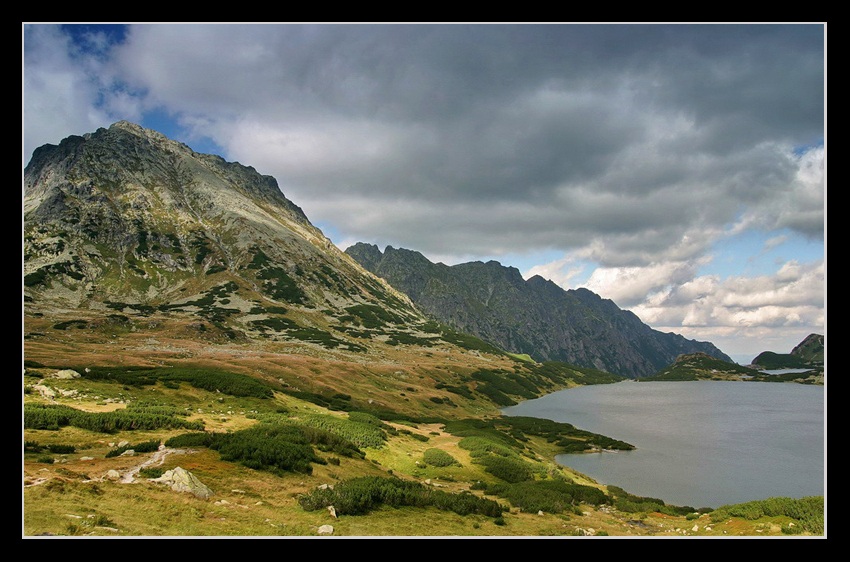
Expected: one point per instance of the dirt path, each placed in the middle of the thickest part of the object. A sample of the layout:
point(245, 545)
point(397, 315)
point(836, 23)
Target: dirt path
point(155, 460)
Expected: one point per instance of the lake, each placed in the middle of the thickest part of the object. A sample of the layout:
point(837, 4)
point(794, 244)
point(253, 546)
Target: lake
point(698, 444)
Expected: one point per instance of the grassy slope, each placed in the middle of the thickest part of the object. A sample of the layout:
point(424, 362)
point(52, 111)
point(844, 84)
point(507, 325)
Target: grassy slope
point(75, 496)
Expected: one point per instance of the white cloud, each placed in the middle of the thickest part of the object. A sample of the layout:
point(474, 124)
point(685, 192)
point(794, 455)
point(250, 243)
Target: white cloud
point(792, 301)
point(561, 272)
point(58, 93)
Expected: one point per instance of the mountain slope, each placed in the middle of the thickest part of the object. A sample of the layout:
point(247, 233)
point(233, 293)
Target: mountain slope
point(811, 349)
point(809, 353)
point(535, 317)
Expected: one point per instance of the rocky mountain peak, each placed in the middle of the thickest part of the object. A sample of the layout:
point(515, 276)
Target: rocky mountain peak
point(124, 219)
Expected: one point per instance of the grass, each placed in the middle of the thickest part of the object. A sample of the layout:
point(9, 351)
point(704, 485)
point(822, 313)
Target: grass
point(524, 357)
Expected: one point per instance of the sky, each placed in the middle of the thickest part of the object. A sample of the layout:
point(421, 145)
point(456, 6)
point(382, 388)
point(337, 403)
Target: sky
point(676, 169)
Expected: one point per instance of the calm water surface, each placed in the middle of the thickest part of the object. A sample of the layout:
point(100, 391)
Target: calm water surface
point(701, 444)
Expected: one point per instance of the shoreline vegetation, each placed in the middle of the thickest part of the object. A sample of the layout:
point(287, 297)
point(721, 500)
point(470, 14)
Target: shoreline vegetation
point(699, 366)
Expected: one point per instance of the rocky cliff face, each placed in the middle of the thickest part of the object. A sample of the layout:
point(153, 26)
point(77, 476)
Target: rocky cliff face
point(811, 349)
point(536, 316)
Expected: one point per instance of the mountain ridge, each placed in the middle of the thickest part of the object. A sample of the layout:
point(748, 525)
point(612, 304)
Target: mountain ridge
point(534, 316)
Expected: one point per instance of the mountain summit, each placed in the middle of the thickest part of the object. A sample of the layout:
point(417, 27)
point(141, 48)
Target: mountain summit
point(535, 317)
point(127, 221)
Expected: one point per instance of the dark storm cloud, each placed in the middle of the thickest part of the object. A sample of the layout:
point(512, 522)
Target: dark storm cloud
point(592, 130)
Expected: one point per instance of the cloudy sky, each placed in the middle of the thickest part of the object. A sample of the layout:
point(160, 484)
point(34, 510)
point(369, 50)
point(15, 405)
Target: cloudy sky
point(678, 170)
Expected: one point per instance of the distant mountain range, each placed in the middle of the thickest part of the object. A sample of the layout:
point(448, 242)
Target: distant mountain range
point(805, 360)
point(809, 353)
point(534, 317)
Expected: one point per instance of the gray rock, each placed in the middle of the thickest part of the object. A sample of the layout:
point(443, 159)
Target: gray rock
point(45, 391)
point(326, 530)
point(181, 480)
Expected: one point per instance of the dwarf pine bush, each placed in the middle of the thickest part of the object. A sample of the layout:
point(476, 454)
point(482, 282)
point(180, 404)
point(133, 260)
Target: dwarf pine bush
point(439, 458)
point(359, 496)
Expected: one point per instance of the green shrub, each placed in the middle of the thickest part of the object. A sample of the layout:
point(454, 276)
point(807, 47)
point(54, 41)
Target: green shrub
point(373, 316)
point(54, 416)
point(144, 447)
point(550, 496)
point(36, 277)
point(151, 472)
point(185, 440)
point(61, 449)
point(365, 433)
point(362, 495)
point(791, 529)
point(277, 448)
point(47, 459)
point(272, 448)
point(439, 458)
point(214, 380)
point(808, 512)
point(508, 469)
point(481, 447)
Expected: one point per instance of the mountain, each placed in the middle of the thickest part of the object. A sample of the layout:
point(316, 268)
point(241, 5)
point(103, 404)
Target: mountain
point(135, 244)
point(809, 353)
point(534, 317)
point(811, 349)
point(126, 220)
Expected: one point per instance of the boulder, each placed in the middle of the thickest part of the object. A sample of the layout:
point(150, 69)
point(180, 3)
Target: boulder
point(326, 530)
point(181, 480)
point(45, 391)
